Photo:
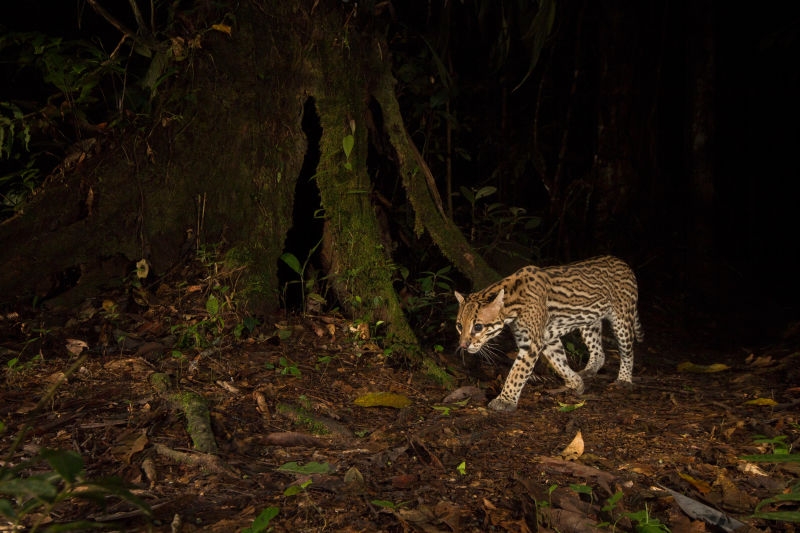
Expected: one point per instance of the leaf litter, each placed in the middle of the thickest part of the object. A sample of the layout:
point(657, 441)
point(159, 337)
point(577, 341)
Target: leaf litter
point(678, 451)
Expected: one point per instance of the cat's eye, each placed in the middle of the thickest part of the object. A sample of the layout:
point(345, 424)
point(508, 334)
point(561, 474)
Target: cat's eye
point(477, 328)
point(458, 327)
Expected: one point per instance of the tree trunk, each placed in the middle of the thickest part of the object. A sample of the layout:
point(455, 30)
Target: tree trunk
point(701, 204)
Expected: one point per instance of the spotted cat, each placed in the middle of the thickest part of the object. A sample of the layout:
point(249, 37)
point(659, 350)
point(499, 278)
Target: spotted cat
point(540, 305)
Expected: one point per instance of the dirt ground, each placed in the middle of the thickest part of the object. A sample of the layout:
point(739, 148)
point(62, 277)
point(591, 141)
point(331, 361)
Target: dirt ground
point(297, 430)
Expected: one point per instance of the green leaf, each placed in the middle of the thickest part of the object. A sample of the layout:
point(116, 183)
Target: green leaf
point(581, 489)
point(773, 458)
point(261, 523)
point(347, 145)
point(292, 262)
point(212, 305)
point(36, 486)
point(292, 490)
point(483, 192)
point(566, 407)
point(462, 468)
point(783, 516)
point(6, 509)
point(308, 468)
point(384, 503)
point(467, 194)
point(66, 463)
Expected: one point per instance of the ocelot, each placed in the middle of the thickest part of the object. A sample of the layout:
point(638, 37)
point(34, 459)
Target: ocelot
point(540, 305)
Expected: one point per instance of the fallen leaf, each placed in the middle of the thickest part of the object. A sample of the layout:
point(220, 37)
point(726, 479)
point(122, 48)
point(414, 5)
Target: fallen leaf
point(224, 28)
point(701, 369)
point(76, 346)
point(130, 444)
point(760, 361)
point(568, 407)
point(574, 449)
point(733, 498)
point(468, 392)
point(142, 268)
point(767, 402)
point(383, 399)
point(699, 484)
point(354, 477)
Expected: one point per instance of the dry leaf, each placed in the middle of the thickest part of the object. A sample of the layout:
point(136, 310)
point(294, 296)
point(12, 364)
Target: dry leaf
point(224, 28)
point(383, 399)
point(574, 449)
point(142, 268)
point(699, 484)
point(767, 402)
point(760, 361)
point(130, 444)
point(701, 369)
point(149, 469)
point(76, 346)
point(261, 403)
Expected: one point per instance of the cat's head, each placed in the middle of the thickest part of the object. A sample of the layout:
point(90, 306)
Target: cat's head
point(478, 320)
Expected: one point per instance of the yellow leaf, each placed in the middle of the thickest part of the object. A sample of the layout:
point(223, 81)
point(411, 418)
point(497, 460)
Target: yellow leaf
point(383, 399)
point(761, 401)
point(699, 484)
point(701, 369)
point(224, 28)
point(574, 449)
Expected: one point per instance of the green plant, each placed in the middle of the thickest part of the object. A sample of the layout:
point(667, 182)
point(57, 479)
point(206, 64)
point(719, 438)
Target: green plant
point(262, 521)
point(288, 367)
point(644, 523)
point(791, 497)
point(31, 490)
point(307, 279)
point(386, 504)
point(200, 333)
point(781, 453)
point(609, 508)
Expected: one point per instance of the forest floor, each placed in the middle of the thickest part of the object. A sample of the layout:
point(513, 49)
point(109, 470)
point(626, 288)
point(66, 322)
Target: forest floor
point(303, 443)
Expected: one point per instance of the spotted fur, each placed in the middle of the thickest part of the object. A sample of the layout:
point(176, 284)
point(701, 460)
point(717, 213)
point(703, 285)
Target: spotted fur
point(540, 305)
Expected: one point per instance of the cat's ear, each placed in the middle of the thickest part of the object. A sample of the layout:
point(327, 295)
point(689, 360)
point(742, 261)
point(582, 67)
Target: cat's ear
point(459, 297)
point(498, 300)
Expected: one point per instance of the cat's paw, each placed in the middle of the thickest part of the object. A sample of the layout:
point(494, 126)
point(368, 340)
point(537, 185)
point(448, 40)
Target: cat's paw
point(622, 385)
point(502, 405)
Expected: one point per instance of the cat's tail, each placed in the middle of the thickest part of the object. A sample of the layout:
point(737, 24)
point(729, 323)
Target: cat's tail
point(638, 330)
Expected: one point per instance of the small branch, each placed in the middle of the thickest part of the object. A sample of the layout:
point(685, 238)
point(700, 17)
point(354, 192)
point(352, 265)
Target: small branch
point(127, 32)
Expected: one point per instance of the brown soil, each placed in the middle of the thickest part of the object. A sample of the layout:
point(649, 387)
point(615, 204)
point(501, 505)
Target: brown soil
point(287, 394)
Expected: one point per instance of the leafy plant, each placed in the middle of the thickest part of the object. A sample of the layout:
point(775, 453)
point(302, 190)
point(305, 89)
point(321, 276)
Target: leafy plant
point(387, 504)
point(262, 521)
point(644, 523)
point(288, 367)
point(29, 499)
point(293, 490)
point(781, 453)
point(306, 281)
point(791, 497)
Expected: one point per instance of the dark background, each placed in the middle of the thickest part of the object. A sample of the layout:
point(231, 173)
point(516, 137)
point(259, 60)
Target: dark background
point(748, 288)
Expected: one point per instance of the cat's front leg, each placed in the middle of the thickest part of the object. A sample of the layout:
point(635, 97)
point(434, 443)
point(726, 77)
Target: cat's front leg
point(521, 370)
